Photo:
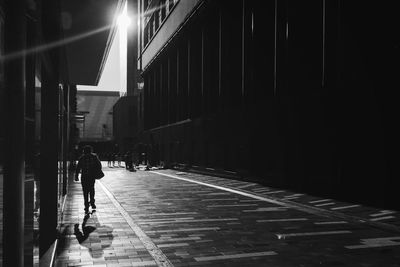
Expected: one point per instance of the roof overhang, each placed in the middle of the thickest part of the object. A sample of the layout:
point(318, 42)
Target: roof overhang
point(89, 27)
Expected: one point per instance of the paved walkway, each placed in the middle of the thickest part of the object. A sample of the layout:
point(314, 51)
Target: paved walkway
point(170, 218)
point(389, 219)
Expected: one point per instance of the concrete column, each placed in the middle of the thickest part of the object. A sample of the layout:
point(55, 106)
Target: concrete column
point(14, 163)
point(50, 126)
point(29, 141)
point(49, 161)
point(66, 137)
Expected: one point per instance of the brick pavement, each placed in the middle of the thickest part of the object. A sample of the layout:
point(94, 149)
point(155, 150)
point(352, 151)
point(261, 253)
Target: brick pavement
point(102, 239)
point(148, 219)
point(389, 219)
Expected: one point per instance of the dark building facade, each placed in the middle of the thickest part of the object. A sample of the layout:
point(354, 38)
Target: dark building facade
point(46, 48)
point(299, 94)
point(36, 112)
point(125, 123)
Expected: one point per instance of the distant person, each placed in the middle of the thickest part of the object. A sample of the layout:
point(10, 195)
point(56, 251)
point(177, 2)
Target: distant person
point(114, 157)
point(87, 162)
point(128, 160)
point(109, 159)
point(119, 159)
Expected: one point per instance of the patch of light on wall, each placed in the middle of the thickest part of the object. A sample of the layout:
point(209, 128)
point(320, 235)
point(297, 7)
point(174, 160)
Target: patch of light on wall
point(123, 24)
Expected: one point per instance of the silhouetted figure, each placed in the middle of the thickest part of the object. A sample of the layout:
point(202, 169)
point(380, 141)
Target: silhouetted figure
point(109, 159)
point(135, 158)
point(119, 159)
point(114, 157)
point(87, 163)
point(128, 160)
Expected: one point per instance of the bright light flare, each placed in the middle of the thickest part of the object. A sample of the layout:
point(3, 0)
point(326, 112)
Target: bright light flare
point(123, 20)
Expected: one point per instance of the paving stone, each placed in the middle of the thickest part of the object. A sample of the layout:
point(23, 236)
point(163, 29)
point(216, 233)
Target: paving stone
point(198, 225)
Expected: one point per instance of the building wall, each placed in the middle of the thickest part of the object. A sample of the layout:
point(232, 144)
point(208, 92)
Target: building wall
point(31, 111)
point(292, 92)
point(164, 25)
point(97, 109)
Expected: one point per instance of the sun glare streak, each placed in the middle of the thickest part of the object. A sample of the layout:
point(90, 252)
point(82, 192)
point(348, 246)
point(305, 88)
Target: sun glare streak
point(123, 21)
point(55, 44)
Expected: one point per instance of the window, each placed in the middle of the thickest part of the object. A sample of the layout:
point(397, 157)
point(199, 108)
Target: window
point(154, 20)
point(163, 10)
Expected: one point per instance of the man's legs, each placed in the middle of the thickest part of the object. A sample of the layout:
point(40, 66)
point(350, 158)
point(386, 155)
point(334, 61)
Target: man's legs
point(85, 189)
point(92, 200)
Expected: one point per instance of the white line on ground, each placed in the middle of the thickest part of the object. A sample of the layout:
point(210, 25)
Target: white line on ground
point(258, 190)
point(267, 209)
point(284, 220)
point(220, 199)
point(163, 214)
point(189, 221)
point(184, 230)
point(325, 204)
point(382, 218)
point(329, 223)
point(382, 212)
point(318, 201)
point(274, 192)
point(171, 240)
point(231, 205)
point(236, 256)
point(224, 189)
point(172, 219)
point(345, 207)
point(283, 236)
point(173, 245)
point(246, 185)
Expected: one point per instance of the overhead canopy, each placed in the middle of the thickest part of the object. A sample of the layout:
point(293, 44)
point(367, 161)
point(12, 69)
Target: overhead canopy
point(88, 27)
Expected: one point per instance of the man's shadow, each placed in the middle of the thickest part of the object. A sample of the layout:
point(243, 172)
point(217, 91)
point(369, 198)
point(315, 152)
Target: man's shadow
point(81, 236)
point(95, 246)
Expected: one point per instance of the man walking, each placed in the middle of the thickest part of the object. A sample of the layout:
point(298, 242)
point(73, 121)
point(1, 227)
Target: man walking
point(87, 163)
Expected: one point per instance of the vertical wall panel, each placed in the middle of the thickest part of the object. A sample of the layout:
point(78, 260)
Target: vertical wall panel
point(195, 73)
point(146, 115)
point(210, 67)
point(305, 36)
point(164, 92)
point(231, 60)
point(173, 89)
point(14, 135)
point(157, 95)
point(183, 79)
